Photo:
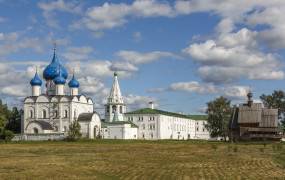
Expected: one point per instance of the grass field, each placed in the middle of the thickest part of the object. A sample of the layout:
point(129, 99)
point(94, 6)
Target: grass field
point(141, 160)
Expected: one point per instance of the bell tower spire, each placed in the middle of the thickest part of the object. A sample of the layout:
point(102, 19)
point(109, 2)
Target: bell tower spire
point(115, 103)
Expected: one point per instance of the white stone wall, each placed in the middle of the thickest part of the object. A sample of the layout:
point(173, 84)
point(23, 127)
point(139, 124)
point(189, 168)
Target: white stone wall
point(124, 131)
point(155, 126)
point(91, 129)
point(200, 130)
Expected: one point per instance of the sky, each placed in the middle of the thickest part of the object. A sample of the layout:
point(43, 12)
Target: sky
point(178, 54)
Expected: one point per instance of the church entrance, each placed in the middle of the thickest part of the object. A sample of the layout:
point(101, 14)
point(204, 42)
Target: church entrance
point(96, 134)
point(36, 131)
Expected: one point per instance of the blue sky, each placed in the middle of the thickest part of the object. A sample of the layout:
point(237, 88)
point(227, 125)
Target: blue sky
point(179, 54)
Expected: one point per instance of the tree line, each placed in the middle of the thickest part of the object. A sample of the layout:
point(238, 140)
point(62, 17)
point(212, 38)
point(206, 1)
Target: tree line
point(10, 122)
point(220, 110)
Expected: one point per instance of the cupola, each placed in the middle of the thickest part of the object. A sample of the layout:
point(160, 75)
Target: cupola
point(36, 81)
point(52, 70)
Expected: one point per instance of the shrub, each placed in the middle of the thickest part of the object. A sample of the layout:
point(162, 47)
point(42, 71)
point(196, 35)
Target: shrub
point(74, 131)
point(6, 135)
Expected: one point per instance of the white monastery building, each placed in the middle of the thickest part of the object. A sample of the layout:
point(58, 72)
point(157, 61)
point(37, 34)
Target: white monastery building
point(51, 112)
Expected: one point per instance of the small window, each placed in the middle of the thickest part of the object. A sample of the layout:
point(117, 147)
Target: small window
point(31, 113)
point(55, 113)
point(44, 114)
point(64, 129)
point(121, 109)
point(65, 113)
point(197, 129)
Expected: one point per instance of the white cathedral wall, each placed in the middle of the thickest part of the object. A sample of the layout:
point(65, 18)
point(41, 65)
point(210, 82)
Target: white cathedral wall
point(61, 122)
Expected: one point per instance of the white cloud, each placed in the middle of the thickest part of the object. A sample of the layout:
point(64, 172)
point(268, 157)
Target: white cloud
point(49, 9)
point(111, 15)
point(232, 92)
point(233, 56)
point(15, 90)
point(137, 102)
point(137, 36)
point(13, 42)
point(77, 53)
point(135, 57)
point(193, 86)
point(123, 66)
point(236, 92)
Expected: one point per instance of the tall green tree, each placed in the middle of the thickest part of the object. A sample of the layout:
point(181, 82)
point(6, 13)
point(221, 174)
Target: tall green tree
point(276, 100)
point(14, 120)
point(4, 114)
point(219, 113)
point(74, 131)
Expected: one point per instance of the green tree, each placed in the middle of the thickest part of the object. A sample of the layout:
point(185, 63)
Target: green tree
point(219, 112)
point(4, 114)
point(276, 100)
point(74, 131)
point(14, 120)
point(6, 135)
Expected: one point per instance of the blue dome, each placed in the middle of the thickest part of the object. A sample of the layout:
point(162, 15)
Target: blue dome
point(73, 83)
point(52, 70)
point(36, 81)
point(59, 79)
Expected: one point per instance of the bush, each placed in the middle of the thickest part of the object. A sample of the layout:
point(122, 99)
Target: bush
point(74, 131)
point(6, 135)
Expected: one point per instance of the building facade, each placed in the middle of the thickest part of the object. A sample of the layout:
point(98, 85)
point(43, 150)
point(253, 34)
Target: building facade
point(55, 109)
point(158, 124)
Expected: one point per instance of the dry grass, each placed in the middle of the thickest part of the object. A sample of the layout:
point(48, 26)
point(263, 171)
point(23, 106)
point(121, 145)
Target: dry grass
point(139, 160)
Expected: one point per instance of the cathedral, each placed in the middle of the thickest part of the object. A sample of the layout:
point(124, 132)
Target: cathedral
point(49, 113)
point(52, 111)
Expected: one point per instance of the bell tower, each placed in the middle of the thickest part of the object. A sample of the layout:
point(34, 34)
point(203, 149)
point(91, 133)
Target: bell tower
point(115, 107)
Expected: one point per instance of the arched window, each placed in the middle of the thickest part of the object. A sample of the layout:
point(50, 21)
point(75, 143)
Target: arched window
point(55, 113)
point(44, 114)
point(65, 113)
point(31, 113)
point(114, 108)
point(75, 114)
point(36, 131)
point(121, 109)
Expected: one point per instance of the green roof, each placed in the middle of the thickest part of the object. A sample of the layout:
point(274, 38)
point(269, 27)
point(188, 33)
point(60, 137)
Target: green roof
point(198, 117)
point(105, 124)
point(166, 113)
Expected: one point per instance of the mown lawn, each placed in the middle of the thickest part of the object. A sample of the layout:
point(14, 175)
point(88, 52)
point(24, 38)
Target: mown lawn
point(141, 160)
